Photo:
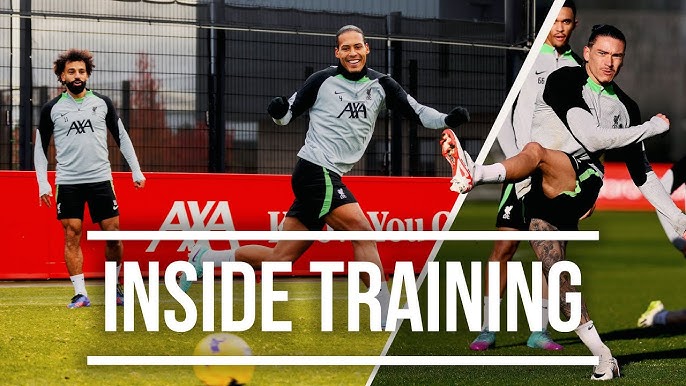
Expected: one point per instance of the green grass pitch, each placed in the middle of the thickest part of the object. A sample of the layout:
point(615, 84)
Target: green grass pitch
point(632, 264)
point(42, 342)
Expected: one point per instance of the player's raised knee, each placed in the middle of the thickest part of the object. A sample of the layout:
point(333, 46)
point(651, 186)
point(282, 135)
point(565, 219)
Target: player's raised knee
point(535, 149)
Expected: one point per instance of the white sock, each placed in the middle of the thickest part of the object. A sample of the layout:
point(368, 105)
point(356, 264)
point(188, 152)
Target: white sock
point(218, 256)
point(489, 174)
point(118, 272)
point(544, 314)
point(589, 335)
point(384, 298)
point(484, 326)
point(79, 283)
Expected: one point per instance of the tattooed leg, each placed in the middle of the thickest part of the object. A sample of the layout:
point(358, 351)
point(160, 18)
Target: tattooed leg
point(550, 252)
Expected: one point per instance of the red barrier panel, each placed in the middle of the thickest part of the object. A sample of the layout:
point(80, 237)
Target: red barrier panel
point(203, 202)
point(179, 201)
point(620, 193)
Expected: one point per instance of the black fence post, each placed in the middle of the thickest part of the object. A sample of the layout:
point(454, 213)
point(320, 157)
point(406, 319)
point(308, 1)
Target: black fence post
point(125, 116)
point(396, 118)
point(211, 101)
point(216, 116)
point(412, 137)
point(25, 88)
point(515, 32)
point(5, 131)
point(221, 102)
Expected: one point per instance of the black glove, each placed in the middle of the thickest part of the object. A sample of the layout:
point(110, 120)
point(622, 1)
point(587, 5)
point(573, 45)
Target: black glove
point(278, 107)
point(456, 117)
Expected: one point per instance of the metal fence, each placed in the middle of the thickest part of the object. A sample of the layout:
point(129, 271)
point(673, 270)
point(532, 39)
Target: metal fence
point(191, 80)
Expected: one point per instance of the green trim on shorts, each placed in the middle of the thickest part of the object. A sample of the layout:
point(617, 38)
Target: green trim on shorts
point(506, 194)
point(57, 192)
point(582, 177)
point(328, 194)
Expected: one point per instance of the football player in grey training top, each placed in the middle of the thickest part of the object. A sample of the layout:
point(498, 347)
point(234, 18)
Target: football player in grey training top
point(344, 102)
point(581, 113)
point(515, 133)
point(79, 120)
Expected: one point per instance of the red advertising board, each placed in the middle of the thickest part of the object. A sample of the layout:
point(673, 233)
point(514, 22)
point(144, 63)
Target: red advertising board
point(205, 202)
point(620, 193)
point(242, 202)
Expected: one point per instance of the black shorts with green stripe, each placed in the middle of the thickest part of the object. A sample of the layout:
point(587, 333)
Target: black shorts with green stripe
point(318, 191)
point(565, 210)
point(511, 210)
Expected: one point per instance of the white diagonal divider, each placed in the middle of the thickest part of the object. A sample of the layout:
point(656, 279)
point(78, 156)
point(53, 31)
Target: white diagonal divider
point(485, 149)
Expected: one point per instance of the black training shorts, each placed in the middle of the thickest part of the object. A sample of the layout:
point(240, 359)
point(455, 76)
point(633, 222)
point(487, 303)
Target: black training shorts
point(318, 191)
point(565, 210)
point(71, 199)
point(511, 210)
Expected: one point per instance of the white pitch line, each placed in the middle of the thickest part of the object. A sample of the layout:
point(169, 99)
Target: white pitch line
point(346, 235)
point(343, 360)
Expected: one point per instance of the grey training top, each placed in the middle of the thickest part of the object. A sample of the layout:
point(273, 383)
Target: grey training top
point(80, 129)
point(583, 119)
point(516, 131)
point(343, 110)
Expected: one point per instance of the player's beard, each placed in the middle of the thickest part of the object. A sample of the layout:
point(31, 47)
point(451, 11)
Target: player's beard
point(76, 90)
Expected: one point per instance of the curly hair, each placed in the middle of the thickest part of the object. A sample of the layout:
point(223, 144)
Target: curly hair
point(73, 55)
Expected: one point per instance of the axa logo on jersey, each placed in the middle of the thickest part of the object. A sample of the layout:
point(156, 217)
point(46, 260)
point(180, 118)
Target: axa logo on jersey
point(354, 109)
point(80, 126)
